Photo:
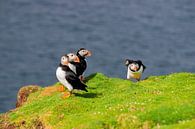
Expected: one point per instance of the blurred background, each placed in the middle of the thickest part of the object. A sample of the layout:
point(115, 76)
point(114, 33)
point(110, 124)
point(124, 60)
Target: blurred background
point(35, 33)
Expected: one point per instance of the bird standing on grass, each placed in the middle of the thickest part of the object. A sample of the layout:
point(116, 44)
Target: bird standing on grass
point(134, 69)
point(82, 53)
point(68, 78)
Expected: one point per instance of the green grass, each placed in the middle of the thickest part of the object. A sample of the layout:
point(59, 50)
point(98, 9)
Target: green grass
point(158, 102)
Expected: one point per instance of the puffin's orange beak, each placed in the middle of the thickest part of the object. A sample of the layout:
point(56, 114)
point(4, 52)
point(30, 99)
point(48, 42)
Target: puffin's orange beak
point(66, 62)
point(77, 59)
point(135, 68)
point(89, 53)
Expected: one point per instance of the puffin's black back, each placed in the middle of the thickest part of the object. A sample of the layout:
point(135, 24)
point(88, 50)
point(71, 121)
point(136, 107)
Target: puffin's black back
point(139, 62)
point(64, 67)
point(79, 69)
point(72, 78)
point(82, 65)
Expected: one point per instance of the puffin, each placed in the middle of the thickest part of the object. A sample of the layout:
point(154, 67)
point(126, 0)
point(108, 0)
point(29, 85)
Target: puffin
point(74, 62)
point(135, 68)
point(82, 53)
point(68, 78)
point(79, 67)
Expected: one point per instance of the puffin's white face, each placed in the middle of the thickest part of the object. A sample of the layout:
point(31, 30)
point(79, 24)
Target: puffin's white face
point(134, 66)
point(64, 60)
point(84, 53)
point(73, 57)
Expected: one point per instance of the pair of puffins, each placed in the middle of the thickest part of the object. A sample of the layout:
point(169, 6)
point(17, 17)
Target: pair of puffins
point(71, 68)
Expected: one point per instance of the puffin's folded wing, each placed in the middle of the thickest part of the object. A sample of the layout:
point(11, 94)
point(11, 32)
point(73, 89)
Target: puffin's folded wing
point(75, 81)
point(79, 68)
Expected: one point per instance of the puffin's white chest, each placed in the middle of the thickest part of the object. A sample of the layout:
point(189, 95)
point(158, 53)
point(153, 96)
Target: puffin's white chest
point(72, 67)
point(136, 75)
point(61, 74)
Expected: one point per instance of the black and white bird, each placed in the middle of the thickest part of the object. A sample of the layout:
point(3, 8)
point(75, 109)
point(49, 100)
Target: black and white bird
point(79, 67)
point(74, 63)
point(134, 69)
point(67, 77)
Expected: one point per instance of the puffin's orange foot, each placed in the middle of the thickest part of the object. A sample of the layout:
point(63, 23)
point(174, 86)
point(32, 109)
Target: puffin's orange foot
point(65, 95)
point(81, 77)
point(61, 88)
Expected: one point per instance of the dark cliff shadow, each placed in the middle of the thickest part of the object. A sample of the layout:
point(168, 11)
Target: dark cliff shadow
point(92, 88)
point(88, 95)
point(89, 77)
point(145, 78)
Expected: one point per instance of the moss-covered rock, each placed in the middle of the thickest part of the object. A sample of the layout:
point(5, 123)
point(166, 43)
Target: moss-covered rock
point(24, 92)
point(158, 102)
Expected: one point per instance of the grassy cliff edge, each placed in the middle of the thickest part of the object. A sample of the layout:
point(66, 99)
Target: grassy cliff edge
point(163, 102)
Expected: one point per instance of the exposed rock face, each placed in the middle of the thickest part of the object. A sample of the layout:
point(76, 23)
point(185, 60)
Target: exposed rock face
point(24, 92)
point(47, 91)
point(6, 124)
